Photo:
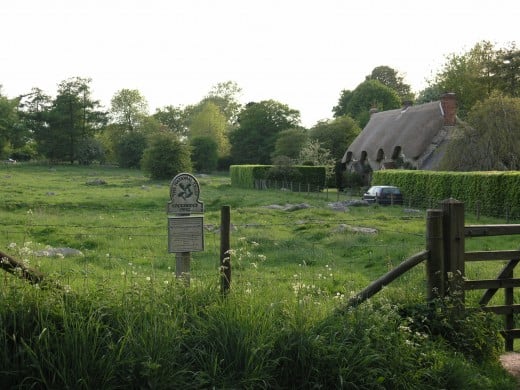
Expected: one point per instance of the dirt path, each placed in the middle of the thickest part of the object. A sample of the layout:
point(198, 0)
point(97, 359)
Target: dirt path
point(511, 362)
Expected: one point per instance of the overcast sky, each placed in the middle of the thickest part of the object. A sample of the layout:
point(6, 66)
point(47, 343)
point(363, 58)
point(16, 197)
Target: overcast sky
point(302, 53)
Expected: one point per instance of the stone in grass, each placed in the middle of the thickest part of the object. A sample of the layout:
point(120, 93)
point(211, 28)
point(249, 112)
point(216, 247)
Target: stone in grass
point(58, 252)
point(354, 229)
point(96, 182)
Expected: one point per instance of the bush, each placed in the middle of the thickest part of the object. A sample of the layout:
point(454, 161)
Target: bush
point(130, 149)
point(90, 150)
point(204, 154)
point(166, 157)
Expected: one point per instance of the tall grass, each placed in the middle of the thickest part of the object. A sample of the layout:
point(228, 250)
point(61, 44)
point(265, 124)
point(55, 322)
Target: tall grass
point(119, 319)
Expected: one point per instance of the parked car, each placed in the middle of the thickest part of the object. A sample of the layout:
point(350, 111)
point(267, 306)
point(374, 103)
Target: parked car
point(383, 195)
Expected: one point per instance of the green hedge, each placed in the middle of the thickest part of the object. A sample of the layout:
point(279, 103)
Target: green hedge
point(246, 176)
point(494, 193)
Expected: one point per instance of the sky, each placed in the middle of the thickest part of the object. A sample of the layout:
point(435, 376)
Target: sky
point(301, 53)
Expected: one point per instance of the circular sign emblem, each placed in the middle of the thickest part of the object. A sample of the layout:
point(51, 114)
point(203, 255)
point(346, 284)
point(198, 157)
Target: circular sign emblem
point(184, 194)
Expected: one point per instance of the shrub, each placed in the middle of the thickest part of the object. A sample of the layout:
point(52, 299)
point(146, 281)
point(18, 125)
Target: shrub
point(130, 149)
point(204, 154)
point(166, 157)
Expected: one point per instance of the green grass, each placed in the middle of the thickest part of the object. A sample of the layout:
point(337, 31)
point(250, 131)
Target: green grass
point(121, 319)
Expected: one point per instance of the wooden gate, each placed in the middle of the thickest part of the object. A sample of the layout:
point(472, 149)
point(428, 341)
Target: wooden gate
point(446, 257)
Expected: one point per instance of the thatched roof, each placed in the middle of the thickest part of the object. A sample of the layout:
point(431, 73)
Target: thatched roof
point(409, 131)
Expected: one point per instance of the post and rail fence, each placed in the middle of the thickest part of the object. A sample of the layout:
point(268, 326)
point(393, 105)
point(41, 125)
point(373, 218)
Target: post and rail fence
point(445, 258)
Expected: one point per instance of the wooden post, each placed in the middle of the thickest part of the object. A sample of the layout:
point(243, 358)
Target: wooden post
point(453, 227)
point(435, 273)
point(225, 256)
point(509, 317)
point(182, 267)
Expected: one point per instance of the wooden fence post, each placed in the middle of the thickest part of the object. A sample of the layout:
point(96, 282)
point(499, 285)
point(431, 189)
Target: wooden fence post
point(435, 273)
point(453, 227)
point(225, 256)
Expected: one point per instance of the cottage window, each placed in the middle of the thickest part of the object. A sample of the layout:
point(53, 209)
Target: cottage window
point(396, 153)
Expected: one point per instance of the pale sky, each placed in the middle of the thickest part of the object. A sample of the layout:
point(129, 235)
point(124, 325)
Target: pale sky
point(302, 53)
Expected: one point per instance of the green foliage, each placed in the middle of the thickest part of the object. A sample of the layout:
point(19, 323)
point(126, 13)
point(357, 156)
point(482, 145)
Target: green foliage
point(392, 79)
point(476, 74)
point(8, 119)
point(491, 139)
point(130, 149)
point(209, 122)
point(166, 157)
point(259, 124)
point(494, 192)
point(246, 176)
point(335, 135)
point(290, 142)
point(204, 154)
point(73, 117)
point(90, 150)
point(128, 109)
point(369, 94)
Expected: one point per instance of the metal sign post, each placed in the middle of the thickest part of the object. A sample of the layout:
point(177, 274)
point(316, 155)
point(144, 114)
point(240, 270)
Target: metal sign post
point(185, 222)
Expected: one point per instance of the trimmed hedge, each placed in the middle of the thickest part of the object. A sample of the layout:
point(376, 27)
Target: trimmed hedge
point(495, 193)
point(246, 176)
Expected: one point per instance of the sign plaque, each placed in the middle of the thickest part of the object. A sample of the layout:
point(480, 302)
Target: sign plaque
point(185, 231)
point(185, 234)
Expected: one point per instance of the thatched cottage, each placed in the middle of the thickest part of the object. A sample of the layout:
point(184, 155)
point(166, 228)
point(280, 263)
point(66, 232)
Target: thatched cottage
point(412, 137)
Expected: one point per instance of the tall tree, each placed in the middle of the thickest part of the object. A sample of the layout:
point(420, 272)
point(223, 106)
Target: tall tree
point(225, 95)
point(210, 122)
point(259, 123)
point(174, 119)
point(367, 95)
point(128, 109)
point(392, 79)
point(471, 76)
point(8, 119)
point(73, 117)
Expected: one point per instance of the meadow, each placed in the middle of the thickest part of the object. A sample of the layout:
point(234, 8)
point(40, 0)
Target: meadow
point(114, 315)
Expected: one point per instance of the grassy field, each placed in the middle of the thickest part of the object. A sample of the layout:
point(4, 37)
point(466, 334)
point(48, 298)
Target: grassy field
point(121, 320)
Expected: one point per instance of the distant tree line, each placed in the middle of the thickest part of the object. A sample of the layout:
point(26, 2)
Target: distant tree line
point(73, 127)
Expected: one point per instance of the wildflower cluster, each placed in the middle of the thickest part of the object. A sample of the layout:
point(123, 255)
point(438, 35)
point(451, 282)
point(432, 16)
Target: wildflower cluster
point(246, 254)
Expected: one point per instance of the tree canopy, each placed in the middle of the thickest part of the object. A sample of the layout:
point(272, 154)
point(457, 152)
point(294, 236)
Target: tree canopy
point(335, 135)
point(367, 95)
point(490, 140)
point(254, 139)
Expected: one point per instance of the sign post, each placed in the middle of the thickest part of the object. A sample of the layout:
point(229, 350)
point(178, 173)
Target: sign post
point(185, 223)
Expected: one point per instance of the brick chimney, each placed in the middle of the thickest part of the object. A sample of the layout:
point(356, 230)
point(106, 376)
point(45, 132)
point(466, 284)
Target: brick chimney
point(449, 108)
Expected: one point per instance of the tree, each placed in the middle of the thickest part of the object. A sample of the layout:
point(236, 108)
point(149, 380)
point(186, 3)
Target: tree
point(204, 154)
point(507, 70)
point(392, 79)
point(174, 119)
point(254, 139)
point(315, 155)
point(341, 108)
point(225, 96)
point(166, 157)
point(130, 148)
point(367, 95)
point(8, 119)
point(73, 117)
point(468, 75)
point(210, 122)
point(335, 135)
point(128, 109)
point(491, 139)
point(289, 143)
